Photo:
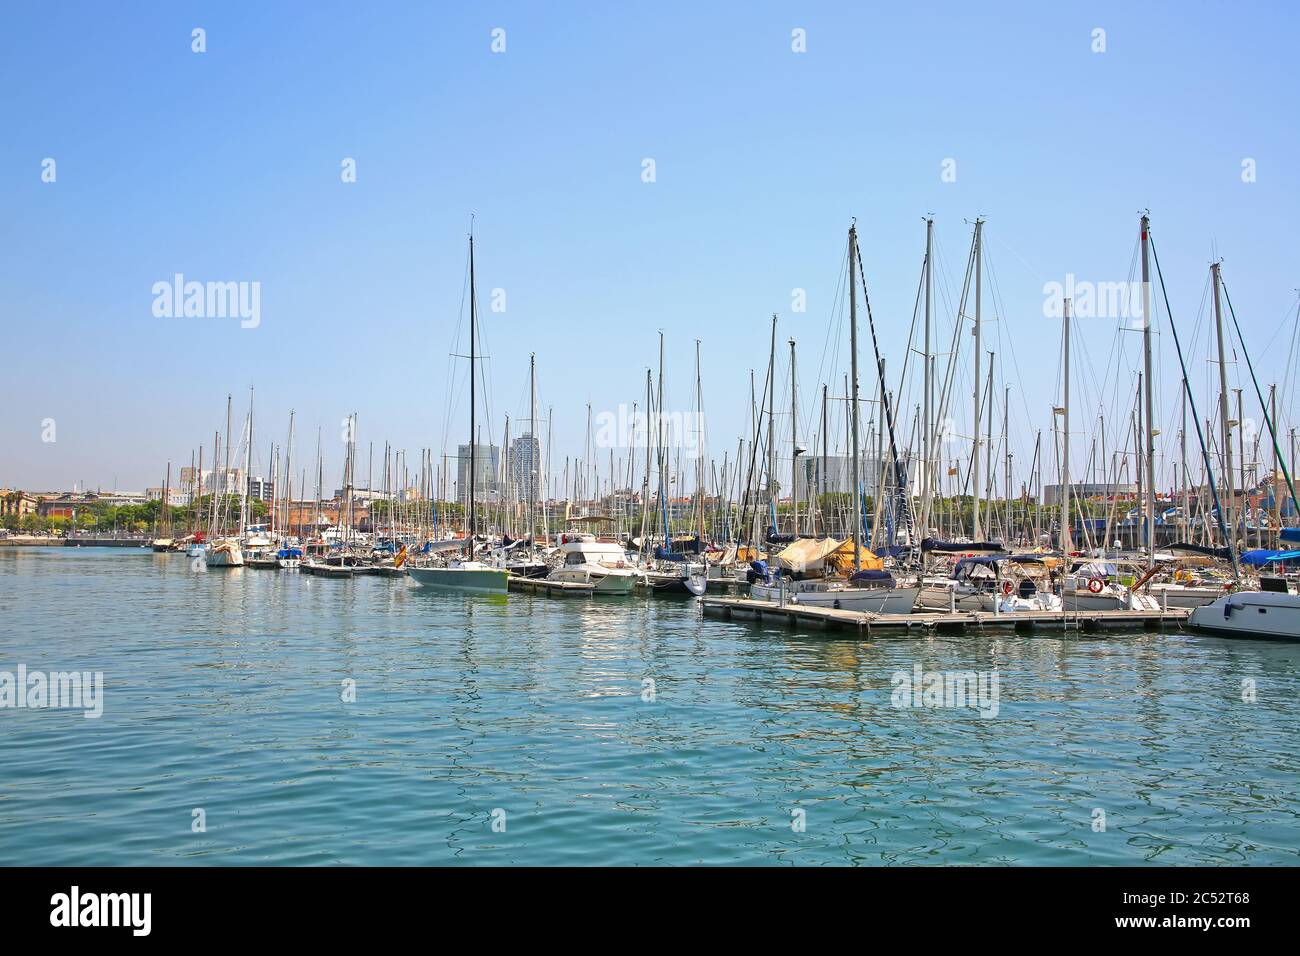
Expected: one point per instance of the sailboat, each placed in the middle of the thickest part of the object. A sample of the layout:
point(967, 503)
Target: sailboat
point(467, 574)
point(224, 552)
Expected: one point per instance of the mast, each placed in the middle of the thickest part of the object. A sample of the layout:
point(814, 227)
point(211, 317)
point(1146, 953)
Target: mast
point(853, 397)
point(288, 477)
point(1148, 384)
point(534, 446)
point(1182, 455)
point(975, 449)
point(794, 446)
point(699, 441)
point(1277, 498)
point(1225, 422)
point(927, 428)
point(821, 477)
point(167, 492)
point(248, 467)
point(225, 479)
point(1006, 450)
point(771, 425)
point(1065, 440)
point(473, 408)
point(1241, 458)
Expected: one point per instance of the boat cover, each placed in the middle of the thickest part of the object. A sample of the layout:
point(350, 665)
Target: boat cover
point(808, 554)
point(1262, 556)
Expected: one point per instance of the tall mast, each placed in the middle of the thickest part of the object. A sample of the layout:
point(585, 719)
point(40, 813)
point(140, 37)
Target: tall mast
point(248, 467)
point(288, 477)
point(1182, 455)
point(1006, 451)
point(794, 446)
point(821, 475)
point(1276, 491)
point(853, 397)
point(699, 441)
point(975, 449)
point(1225, 422)
point(534, 446)
point(771, 423)
point(927, 432)
point(473, 408)
point(1241, 458)
point(225, 478)
point(1065, 440)
point(1148, 385)
point(167, 493)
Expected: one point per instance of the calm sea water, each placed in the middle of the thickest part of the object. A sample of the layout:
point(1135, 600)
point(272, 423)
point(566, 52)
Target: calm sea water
point(222, 692)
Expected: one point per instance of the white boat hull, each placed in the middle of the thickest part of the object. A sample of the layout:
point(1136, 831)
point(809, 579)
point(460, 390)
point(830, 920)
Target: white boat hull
point(1177, 596)
point(1265, 614)
point(225, 555)
point(873, 600)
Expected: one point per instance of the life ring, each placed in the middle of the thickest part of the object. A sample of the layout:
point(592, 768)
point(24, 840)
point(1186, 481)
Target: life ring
point(1007, 588)
point(1096, 585)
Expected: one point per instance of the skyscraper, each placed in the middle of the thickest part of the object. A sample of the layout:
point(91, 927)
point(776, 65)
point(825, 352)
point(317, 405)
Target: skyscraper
point(525, 461)
point(487, 465)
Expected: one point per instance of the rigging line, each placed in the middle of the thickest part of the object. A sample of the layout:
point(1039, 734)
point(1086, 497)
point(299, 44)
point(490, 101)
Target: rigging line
point(880, 374)
point(1191, 401)
point(1263, 407)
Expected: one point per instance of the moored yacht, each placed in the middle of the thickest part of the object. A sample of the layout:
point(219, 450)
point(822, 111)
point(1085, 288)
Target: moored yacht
point(601, 563)
point(1271, 613)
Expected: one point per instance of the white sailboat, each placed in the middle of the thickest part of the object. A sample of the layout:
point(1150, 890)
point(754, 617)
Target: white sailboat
point(467, 574)
point(224, 552)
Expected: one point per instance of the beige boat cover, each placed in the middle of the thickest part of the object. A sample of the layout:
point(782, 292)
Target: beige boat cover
point(813, 554)
point(807, 554)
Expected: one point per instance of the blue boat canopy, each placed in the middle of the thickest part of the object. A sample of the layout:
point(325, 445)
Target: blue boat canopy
point(1262, 556)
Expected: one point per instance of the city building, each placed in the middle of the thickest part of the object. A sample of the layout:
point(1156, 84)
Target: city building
point(259, 488)
point(176, 498)
point(525, 466)
point(487, 466)
point(17, 503)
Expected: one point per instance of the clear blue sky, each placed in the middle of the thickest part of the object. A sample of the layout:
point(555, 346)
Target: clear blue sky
point(225, 166)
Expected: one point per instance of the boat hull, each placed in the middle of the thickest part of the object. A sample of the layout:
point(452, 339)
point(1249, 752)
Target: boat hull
point(1250, 614)
point(1189, 598)
point(481, 580)
point(225, 556)
point(873, 600)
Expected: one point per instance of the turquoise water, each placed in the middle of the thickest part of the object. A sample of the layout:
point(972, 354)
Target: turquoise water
point(222, 692)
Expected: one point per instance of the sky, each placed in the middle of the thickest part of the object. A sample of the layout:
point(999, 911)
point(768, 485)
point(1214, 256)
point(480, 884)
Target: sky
point(228, 165)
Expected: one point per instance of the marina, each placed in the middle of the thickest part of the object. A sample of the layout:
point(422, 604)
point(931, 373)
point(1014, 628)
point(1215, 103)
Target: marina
point(758, 436)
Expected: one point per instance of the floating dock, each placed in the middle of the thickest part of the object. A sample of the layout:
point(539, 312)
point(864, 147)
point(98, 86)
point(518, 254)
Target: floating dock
point(867, 622)
point(550, 588)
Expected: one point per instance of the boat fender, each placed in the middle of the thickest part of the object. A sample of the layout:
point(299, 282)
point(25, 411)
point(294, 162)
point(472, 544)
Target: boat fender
point(836, 605)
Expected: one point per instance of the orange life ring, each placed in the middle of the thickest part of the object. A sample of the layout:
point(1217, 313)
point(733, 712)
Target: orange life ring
point(1096, 585)
point(1007, 587)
